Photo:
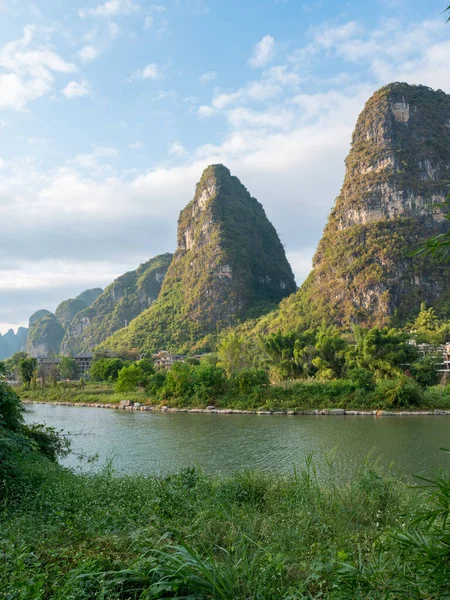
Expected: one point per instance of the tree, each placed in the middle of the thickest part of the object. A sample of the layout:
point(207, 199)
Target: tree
point(10, 408)
point(385, 352)
point(209, 382)
point(330, 347)
point(69, 368)
point(106, 369)
point(12, 364)
point(128, 379)
point(232, 353)
point(27, 367)
point(2, 368)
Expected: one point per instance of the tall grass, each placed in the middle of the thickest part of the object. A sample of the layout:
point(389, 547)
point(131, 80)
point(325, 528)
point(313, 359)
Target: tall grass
point(248, 536)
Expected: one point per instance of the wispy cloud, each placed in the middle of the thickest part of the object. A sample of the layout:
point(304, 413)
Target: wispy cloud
point(177, 149)
point(30, 71)
point(112, 8)
point(77, 89)
point(151, 71)
point(263, 52)
point(207, 77)
point(88, 53)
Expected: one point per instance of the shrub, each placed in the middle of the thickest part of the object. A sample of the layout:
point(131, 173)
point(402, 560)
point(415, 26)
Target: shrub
point(10, 408)
point(106, 369)
point(400, 392)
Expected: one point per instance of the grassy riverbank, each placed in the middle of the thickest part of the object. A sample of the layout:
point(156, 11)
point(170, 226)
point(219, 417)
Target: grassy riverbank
point(250, 536)
point(300, 395)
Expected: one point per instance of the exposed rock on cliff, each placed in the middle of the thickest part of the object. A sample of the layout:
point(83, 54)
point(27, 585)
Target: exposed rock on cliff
point(120, 303)
point(67, 310)
point(44, 336)
point(396, 178)
point(229, 265)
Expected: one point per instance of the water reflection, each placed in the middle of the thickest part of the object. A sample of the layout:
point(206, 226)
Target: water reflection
point(164, 442)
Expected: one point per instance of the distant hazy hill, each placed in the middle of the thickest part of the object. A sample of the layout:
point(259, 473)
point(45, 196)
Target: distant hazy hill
point(11, 342)
point(46, 330)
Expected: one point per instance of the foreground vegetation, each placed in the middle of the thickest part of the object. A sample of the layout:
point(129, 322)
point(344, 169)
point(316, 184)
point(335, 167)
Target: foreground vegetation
point(76, 536)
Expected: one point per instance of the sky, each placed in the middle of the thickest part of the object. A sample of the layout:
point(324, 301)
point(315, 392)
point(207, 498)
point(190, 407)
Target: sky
point(110, 110)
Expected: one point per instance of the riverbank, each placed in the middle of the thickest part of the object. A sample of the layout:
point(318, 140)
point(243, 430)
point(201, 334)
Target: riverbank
point(298, 397)
point(248, 536)
point(128, 405)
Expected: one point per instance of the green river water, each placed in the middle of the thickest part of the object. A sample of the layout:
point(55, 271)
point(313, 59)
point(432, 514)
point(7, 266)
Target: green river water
point(145, 443)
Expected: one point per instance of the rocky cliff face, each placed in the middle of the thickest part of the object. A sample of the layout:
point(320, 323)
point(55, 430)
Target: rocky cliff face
point(119, 304)
point(44, 337)
point(397, 172)
point(67, 310)
point(229, 265)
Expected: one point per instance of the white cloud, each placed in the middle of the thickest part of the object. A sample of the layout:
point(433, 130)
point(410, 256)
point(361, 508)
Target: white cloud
point(207, 77)
point(151, 71)
point(136, 146)
point(77, 89)
point(112, 8)
point(88, 53)
point(148, 22)
point(206, 111)
point(3, 123)
point(30, 71)
point(177, 149)
point(263, 52)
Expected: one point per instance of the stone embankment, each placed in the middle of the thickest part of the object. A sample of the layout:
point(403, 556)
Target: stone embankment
point(128, 405)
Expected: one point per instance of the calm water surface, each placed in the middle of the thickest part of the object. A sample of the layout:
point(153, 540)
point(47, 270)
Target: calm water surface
point(145, 443)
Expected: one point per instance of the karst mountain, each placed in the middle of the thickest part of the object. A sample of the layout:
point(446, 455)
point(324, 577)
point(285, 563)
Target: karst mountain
point(229, 265)
point(366, 269)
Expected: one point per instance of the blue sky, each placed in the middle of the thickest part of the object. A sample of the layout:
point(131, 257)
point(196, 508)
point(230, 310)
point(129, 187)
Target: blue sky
point(110, 110)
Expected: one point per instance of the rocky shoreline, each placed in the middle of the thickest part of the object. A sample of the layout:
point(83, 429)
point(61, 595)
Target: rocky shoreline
point(128, 405)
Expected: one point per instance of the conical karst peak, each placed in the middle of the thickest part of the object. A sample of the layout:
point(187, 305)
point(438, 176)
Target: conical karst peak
point(397, 172)
point(229, 265)
point(399, 158)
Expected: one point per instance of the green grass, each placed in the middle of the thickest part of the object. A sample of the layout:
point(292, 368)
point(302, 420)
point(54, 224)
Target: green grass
point(299, 395)
point(72, 392)
point(66, 536)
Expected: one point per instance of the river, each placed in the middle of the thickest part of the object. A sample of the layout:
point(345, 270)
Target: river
point(146, 443)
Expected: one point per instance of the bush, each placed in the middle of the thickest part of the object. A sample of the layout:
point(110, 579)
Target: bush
point(363, 378)
point(47, 440)
point(106, 369)
point(400, 392)
point(156, 383)
point(128, 379)
point(10, 408)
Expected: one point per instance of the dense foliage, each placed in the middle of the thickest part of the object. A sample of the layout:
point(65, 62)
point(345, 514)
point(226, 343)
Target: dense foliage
point(248, 536)
point(229, 265)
